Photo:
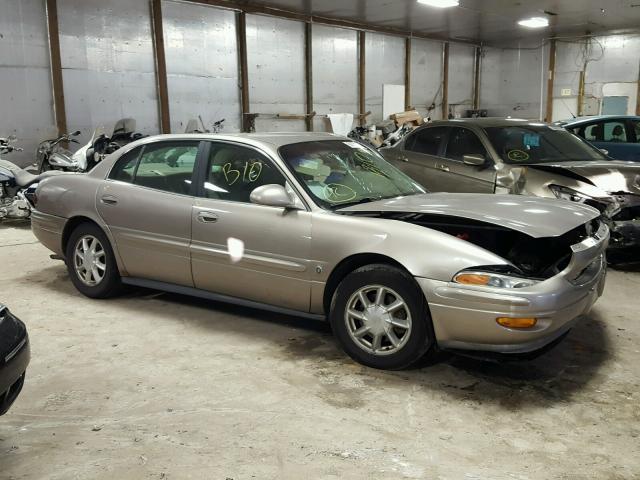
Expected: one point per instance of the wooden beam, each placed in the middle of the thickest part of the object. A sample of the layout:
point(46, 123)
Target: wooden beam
point(59, 110)
point(407, 73)
point(362, 65)
point(445, 80)
point(308, 72)
point(550, 81)
point(476, 78)
point(264, 9)
point(243, 66)
point(581, 93)
point(161, 66)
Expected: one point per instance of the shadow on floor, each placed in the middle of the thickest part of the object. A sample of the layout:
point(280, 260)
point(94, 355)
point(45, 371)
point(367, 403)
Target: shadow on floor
point(552, 378)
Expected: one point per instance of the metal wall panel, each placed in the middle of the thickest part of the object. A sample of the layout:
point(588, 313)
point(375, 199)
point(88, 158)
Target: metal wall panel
point(385, 57)
point(512, 82)
point(275, 56)
point(461, 67)
point(25, 77)
point(426, 77)
point(108, 65)
point(202, 65)
point(335, 73)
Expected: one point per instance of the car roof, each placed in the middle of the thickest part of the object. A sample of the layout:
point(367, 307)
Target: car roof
point(273, 139)
point(487, 122)
point(586, 119)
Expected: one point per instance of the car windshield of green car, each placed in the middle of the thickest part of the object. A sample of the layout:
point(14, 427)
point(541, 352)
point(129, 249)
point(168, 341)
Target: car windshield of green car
point(532, 144)
point(339, 173)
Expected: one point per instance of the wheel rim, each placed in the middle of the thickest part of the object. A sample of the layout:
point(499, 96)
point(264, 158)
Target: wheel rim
point(89, 259)
point(378, 320)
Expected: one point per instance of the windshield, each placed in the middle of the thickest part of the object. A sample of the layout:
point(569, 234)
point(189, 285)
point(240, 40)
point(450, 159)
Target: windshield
point(338, 173)
point(537, 144)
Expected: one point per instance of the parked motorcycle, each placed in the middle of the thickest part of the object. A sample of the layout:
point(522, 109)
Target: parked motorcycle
point(198, 126)
point(51, 155)
point(17, 186)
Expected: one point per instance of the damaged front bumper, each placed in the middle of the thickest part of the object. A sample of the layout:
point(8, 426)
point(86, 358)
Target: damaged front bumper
point(464, 317)
point(625, 224)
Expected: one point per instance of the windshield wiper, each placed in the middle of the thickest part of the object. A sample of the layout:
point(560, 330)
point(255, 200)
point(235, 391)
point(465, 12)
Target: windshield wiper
point(356, 202)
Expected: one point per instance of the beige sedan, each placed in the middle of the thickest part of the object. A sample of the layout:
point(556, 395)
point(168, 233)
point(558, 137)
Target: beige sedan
point(320, 226)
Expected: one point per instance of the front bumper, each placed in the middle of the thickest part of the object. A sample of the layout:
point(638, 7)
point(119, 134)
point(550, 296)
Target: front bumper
point(14, 359)
point(464, 317)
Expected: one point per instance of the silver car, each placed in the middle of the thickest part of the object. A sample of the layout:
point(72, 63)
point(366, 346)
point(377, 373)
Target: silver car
point(320, 226)
point(493, 155)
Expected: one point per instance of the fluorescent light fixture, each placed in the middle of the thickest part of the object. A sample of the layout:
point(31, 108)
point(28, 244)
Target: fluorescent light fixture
point(440, 3)
point(534, 22)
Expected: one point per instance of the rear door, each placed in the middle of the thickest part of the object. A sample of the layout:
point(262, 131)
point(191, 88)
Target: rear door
point(463, 177)
point(146, 201)
point(616, 136)
point(241, 249)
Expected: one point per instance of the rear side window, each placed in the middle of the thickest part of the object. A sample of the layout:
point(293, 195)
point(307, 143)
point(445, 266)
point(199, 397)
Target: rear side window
point(426, 141)
point(167, 166)
point(464, 142)
point(612, 131)
point(125, 166)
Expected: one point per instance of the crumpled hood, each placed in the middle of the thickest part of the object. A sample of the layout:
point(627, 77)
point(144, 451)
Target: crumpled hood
point(611, 176)
point(533, 216)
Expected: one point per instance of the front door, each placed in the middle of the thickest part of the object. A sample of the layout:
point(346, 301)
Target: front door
point(146, 203)
point(245, 250)
point(462, 176)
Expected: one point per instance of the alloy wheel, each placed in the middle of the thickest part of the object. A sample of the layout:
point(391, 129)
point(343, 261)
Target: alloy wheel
point(89, 260)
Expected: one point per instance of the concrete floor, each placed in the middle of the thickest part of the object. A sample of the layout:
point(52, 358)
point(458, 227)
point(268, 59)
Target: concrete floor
point(162, 386)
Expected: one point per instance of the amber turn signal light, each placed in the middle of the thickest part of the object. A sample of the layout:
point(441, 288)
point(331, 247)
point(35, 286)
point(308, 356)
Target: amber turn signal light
point(473, 279)
point(518, 322)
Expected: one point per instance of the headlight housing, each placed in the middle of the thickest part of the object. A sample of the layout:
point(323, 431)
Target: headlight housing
point(607, 205)
point(491, 279)
point(566, 193)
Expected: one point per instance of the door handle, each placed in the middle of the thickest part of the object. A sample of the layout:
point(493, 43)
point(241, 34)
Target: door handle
point(109, 200)
point(207, 217)
point(442, 167)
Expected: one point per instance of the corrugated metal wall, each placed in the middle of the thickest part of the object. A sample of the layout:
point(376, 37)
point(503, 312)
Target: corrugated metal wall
point(275, 56)
point(426, 77)
point(461, 69)
point(511, 81)
point(335, 73)
point(385, 56)
point(25, 77)
point(202, 65)
point(108, 64)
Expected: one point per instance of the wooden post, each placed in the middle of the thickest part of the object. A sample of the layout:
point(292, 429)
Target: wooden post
point(59, 111)
point(362, 76)
point(476, 78)
point(550, 80)
point(407, 74)
point(244, 70)
point(445, 81)
point(161, 66)
point(308, 57)
point(581, 94)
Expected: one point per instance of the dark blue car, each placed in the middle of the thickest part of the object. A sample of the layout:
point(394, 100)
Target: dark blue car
point(619, 135)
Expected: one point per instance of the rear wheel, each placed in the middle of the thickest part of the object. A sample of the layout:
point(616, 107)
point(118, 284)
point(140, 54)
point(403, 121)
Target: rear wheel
point(380, 317)
point(91, 262)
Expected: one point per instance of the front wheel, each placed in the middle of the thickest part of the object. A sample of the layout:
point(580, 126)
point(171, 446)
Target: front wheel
point(380, 317)
point(91, 262)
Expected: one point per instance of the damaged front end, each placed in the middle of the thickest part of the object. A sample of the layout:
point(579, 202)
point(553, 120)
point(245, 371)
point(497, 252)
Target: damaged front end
point(625, 224)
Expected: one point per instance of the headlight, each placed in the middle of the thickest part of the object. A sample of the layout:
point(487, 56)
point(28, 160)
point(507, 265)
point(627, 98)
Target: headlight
point(565, 193)
point(489, 279)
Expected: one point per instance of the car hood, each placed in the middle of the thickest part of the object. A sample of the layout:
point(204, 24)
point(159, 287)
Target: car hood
point(533, 216)
point(610, 176)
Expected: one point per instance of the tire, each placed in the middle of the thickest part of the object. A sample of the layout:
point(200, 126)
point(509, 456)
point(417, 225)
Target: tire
point(410, 323)
point(101, 282)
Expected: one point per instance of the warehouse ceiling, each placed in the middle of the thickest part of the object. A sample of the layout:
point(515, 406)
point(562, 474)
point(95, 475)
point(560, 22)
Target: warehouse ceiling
point(491, 21)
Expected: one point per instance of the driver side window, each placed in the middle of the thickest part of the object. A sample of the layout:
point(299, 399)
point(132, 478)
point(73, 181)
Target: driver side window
point(235, 171)
point(464, 142)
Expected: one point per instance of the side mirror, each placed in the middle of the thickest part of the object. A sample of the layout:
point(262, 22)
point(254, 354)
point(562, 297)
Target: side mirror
point(604, 150)
point(476, 160)
point(272, 196)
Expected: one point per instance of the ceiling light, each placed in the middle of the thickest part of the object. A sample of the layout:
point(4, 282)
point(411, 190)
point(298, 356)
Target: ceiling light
point(534, 22)
point(440, 3)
